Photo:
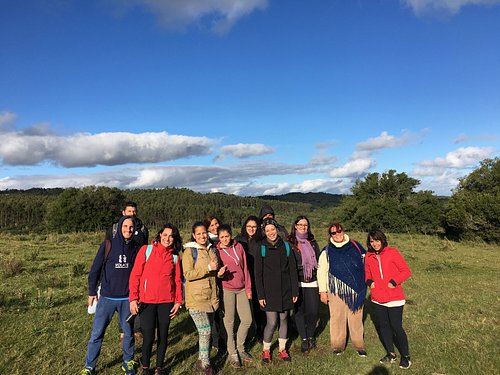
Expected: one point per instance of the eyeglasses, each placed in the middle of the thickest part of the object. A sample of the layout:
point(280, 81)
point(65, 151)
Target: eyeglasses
point(251, 226)
point(334, 233)
point(302, 225)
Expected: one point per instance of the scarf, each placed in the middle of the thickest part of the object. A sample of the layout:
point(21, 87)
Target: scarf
point(346, 273)
point(309, 261)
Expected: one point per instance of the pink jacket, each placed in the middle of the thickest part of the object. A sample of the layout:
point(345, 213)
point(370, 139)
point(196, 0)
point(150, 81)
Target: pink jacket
point(237, 276)
point(156, 280)
point(383, 267)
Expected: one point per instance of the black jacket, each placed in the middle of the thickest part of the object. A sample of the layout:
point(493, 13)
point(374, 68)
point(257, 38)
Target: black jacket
point(276, 277)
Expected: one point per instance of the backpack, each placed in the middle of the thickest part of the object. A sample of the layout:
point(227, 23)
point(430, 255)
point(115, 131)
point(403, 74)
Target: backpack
point(150, 248)
point(263, 249)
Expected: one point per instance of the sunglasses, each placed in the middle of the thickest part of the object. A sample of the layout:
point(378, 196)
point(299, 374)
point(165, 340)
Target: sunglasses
point(334, 233)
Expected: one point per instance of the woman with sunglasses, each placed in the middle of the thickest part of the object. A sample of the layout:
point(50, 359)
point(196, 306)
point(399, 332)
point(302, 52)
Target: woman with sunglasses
point(341, 279)
point(306, 252)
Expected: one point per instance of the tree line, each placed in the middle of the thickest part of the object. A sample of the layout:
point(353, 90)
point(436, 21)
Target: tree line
point(388, 201)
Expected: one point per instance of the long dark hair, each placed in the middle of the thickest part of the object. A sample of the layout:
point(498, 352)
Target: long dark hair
point(244, 232)
point(177, 245)
point(377, 235)
point(292, 238)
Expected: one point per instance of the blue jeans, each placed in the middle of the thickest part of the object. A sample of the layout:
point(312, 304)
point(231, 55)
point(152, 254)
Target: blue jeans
point(104, 312)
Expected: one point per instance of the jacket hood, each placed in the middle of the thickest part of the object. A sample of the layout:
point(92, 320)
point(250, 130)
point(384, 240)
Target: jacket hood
point(196, 245)
point(119, 234)
point(266, 210)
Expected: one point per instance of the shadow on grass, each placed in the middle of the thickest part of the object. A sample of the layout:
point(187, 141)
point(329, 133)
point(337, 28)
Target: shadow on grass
point(378, 370)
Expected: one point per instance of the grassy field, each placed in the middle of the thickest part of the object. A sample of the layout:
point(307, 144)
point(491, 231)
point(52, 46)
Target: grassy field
point(451, 315)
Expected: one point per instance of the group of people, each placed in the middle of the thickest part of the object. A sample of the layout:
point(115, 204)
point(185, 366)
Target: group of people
point(262, 275)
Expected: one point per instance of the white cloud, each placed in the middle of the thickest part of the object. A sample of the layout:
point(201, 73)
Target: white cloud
point(448, 6)
point(244, 150)
point(384, 140)
point(218, 15)
point(464, 157)
point(88, 150)
point(323, 158)
point(353, 168)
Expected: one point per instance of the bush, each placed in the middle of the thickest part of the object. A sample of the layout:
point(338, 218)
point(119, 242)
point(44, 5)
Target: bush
point(10, 265)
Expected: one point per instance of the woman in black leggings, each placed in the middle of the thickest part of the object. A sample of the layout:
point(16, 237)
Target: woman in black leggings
point(156, 292)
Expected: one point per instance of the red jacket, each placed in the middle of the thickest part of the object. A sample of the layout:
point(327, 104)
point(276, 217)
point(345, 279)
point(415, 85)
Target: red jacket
point(383, 267)
point(156, 281)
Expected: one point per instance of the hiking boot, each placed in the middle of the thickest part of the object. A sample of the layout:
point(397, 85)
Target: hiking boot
point(266, 357)
point(245, 357)
point(129, 367)
point(87, 371)
point(388, 358)
point(284, 356)
point(405, 362)
point(305, 346)
point(362, 353)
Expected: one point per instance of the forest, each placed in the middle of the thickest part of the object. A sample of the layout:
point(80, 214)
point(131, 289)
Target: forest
point(389, 201)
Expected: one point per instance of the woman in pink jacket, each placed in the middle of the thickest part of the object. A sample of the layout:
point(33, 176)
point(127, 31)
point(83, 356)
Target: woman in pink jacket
point(237, 291)
point(156, 285)
point(385, 271)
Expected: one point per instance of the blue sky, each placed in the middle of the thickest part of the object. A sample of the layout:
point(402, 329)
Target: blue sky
point(248, 97)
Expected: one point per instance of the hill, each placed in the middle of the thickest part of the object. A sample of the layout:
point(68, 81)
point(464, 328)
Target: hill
point(316, 200)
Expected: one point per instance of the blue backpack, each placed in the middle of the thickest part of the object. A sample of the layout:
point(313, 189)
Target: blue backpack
point(150, 248)
point(263, 249)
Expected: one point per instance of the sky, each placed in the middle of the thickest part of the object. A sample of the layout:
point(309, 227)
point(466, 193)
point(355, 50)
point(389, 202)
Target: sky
point(247, 97)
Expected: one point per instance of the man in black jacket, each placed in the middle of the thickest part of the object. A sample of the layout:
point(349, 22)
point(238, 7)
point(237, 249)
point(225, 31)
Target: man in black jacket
point(141, 238)
point(111, 272)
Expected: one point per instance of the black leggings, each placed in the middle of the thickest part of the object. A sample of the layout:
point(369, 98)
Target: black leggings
point(155, 317)
point(306, 312)
point(391, 325)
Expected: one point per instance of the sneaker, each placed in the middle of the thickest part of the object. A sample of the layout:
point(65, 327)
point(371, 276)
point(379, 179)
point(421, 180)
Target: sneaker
point(87, 371)
point(338, 351)
point(245, 357)
point(129, 367)
point(160, 371)
point(362, 353)
point(234, 360)
point(405, 362)
point(284, 356)
point(305, 346)
point(147, 371)
point(266, 357)
point(389, 358)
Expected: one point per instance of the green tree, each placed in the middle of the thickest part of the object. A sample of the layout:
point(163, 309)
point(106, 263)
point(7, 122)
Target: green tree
point(388, 201)
point(86, 209)
point(473, 211)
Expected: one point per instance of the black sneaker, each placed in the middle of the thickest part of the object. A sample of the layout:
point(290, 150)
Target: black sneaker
point(305, 346)
point(338, 351)
point(362, 353)
point(405, 362)
point(388, 358)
